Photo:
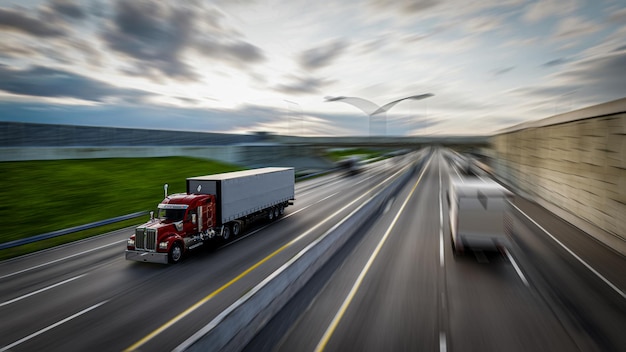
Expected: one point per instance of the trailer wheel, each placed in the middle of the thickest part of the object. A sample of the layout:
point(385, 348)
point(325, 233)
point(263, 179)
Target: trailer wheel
point(236, 228)
point(276, 213)
point(226, 232)
point(281, 209)
point(176, 253)
point(270, 214)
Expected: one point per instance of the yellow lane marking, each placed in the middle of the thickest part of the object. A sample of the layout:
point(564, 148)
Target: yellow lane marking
point(197, 305)
point(355, 288)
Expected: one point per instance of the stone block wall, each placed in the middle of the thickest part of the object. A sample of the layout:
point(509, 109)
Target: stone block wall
point(576, 165)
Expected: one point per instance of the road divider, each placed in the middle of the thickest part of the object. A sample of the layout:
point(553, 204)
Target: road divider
point(232, 329)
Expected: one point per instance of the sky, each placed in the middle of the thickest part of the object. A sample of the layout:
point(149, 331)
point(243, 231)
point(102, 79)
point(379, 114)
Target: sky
point(244, 66)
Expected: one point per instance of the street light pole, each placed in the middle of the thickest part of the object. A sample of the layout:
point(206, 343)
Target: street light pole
point(371, 109)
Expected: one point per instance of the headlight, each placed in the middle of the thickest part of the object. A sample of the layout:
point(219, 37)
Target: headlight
point(163, 245)
point(130, 242)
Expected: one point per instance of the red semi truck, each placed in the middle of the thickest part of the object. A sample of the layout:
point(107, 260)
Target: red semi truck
point(215, 206)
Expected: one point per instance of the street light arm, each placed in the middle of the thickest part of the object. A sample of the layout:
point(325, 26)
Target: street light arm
point(388, 106)
point(365, 105)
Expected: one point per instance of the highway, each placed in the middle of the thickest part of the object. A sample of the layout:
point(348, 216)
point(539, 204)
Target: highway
point(398, 287)
point(86, 295)
point(394, 286)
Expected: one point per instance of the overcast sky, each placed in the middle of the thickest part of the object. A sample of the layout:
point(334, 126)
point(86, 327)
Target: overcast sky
point(239, 66)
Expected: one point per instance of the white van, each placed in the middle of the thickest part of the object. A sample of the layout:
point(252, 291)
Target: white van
point(480, 215)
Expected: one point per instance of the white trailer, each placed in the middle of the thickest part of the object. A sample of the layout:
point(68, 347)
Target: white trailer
point(242, 194)
point(480, 215)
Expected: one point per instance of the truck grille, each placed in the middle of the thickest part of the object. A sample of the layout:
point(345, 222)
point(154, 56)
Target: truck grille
point(145, 239)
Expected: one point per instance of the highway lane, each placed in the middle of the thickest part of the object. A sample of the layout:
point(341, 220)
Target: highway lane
point(399, 287)
point(85, 295)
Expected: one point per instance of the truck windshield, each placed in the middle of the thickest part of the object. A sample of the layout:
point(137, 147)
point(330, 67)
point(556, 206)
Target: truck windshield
point(171, 214)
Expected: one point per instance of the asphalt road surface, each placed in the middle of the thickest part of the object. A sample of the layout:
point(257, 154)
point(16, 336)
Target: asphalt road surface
point(395, 286)
point(398, 287)
point(86, 296)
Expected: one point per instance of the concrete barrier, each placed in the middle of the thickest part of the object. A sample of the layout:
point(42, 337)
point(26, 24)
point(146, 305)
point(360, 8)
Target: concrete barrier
point(233, 329)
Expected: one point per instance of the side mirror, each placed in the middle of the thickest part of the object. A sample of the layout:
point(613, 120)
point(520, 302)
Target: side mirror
point(194, 218)
point(151, 215)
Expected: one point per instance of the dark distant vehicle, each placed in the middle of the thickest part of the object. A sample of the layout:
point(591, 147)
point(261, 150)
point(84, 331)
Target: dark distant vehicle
point(351, 166)
point(214, 207)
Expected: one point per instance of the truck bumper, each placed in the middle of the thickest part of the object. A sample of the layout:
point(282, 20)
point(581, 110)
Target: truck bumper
point(479, 242)
point(150, 257)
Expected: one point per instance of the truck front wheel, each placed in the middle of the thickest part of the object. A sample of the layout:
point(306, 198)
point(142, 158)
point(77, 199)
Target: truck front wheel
point(226, 232)
point(176, 253)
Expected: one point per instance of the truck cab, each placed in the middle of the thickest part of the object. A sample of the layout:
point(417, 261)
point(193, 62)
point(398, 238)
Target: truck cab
point(480, 215)
point(183, 222)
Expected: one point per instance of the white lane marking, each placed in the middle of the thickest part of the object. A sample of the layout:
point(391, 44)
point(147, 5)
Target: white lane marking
point(61, 259)
point(35, 334)
point(615, 288)
point(217, 320)
point(458, 174)
point(357, 284)
point(517, 269)
point(442, 342)
point(441, 250)
point(389, 204)
point(40, 290)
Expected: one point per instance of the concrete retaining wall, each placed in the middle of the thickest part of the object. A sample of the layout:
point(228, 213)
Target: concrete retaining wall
point(573, 164)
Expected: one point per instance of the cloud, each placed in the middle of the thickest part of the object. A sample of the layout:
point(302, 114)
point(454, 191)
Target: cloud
point(590, 81)
point(601, 76)
point(502, 71)
point(571, 27)
point(68, 8)
point(556, 62)
point(160, 36)
point(543, 9)
point(17, 21)
point(153, 34)
point(46, 82)
point(406, 6)
point(236, 53)
point(618, 16)
point(316, 58)
point(303, 85)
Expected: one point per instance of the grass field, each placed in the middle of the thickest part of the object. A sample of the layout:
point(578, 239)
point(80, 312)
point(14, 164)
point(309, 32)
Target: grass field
point(42, 196)
point(339, 154)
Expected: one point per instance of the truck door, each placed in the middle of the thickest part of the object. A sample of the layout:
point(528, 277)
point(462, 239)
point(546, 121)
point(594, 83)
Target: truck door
point(208, 212)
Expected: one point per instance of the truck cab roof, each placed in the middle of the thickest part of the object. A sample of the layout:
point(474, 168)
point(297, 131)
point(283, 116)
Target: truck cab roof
point(184, 199)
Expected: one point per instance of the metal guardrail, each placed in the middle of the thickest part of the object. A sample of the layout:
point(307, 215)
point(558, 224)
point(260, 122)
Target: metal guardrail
point(67, 231)
point(92, 225)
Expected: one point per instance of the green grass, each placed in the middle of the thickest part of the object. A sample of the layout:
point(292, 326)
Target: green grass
point(42, 196)
point(339, 154)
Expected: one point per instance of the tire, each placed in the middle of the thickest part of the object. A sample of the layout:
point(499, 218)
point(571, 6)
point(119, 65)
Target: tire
point(270, 214)
point(226, 232)
point(236, 227)
point(276, 213)
point(176, 253)
point(281, 210)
